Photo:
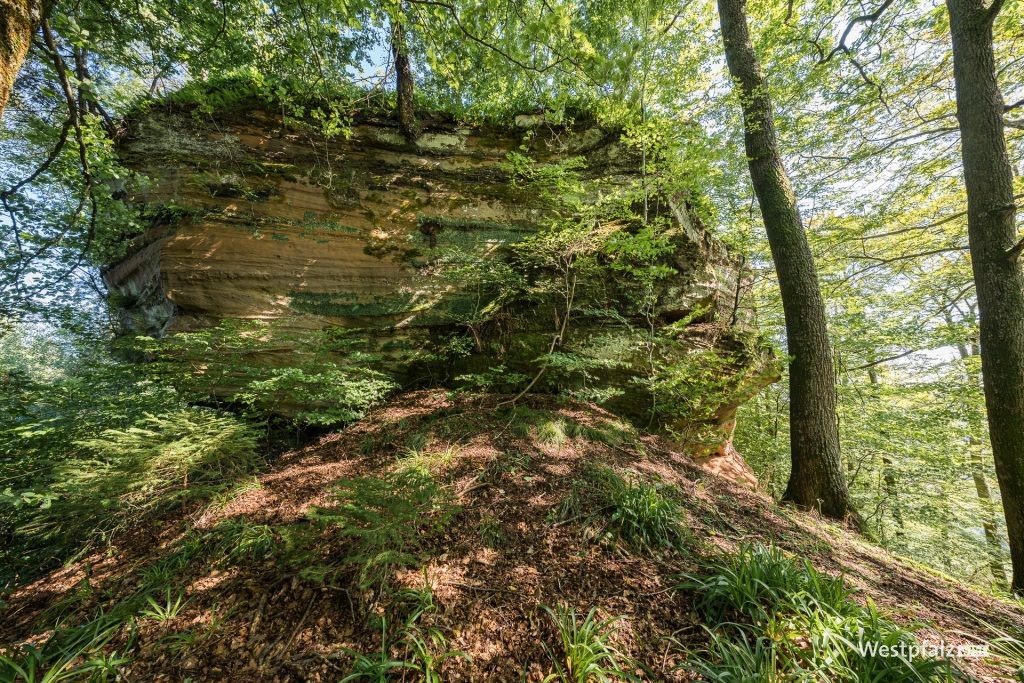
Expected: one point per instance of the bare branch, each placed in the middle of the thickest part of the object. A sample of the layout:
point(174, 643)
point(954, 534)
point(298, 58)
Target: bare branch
point(862, 19)
point(873, 363)
point(1014, 252)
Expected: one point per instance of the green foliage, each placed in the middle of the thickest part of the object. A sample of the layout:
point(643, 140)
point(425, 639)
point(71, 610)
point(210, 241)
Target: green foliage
point(1007, 649)
point(796, 624)
point(639, 513)
point(90, 447)
point(385, 521)
point(428, 462)
point(242, 542)
point(169, 568)
point(68, 654)
point(750, 583)
point(161, 462)
point(329, 379)
point(552, 433)
point(919, 494)
point(165, 610)
point(588, 653)
point(412, 646)
point(494, 379)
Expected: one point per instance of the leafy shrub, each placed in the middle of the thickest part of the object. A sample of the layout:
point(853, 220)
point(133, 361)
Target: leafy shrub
point(329, 395)
point(116, 478)
point(157, 464)
point(58, 392)
point(329, 379)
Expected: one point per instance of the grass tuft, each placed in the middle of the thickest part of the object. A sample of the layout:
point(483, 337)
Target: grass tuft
point(588, 653)
point(782, 620)
point(637, 512)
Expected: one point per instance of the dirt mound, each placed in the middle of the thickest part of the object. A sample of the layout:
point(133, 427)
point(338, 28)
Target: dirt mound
point(452, 523)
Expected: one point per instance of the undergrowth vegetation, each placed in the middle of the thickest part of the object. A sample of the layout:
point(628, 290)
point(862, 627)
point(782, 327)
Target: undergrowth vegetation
point(384, 521)
point(643, 515)
point(781, 620)
point(409, 646)
point(587, 652)
point(103, 452)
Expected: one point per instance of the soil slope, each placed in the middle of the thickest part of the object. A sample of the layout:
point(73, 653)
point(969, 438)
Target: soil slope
point(283, 602)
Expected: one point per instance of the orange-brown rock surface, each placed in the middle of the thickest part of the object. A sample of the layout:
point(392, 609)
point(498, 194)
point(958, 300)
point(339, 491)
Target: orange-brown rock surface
point(253, 218)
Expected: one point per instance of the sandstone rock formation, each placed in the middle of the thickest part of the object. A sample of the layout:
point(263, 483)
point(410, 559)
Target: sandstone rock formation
point(258, 219)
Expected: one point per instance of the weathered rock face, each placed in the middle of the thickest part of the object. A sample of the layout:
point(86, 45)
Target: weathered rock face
point(257, 220)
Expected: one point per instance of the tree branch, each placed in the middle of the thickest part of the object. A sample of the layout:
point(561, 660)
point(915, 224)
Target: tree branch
point(993, 9)
point(1013, 253)
point(862, 19)
point(490, 46)
point(873, 363)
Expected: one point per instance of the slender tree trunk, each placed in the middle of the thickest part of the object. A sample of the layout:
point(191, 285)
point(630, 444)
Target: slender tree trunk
point(19, 19)
point(989, 522)
point(998, 277)
point(892, 493)
point(817, 479)
point(404, 83)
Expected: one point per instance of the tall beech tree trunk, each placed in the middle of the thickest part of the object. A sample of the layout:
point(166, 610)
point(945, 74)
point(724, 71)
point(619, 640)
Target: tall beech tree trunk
point(18, 21)
point(404, 84)
point(998, 277)
point(817, 479)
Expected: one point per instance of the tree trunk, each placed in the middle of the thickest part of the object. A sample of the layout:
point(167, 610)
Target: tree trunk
point(404, 83)
point(998, 277)
point(18, 21)
point(989, 522)
point(817, 480)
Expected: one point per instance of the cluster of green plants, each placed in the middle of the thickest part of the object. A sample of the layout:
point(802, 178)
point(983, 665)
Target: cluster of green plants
point(778, 619)
point(383, 522)
point(90, 446)
point(70, 653)
point(405, 646)
point(552, 429)
point(587, 652)
point(329, 378)
point(644, 515)
point(133, 474)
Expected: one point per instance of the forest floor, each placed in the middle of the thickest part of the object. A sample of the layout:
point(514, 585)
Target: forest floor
point(268, 592)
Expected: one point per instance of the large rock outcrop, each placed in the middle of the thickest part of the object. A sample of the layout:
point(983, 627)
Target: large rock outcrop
point(254, 218)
